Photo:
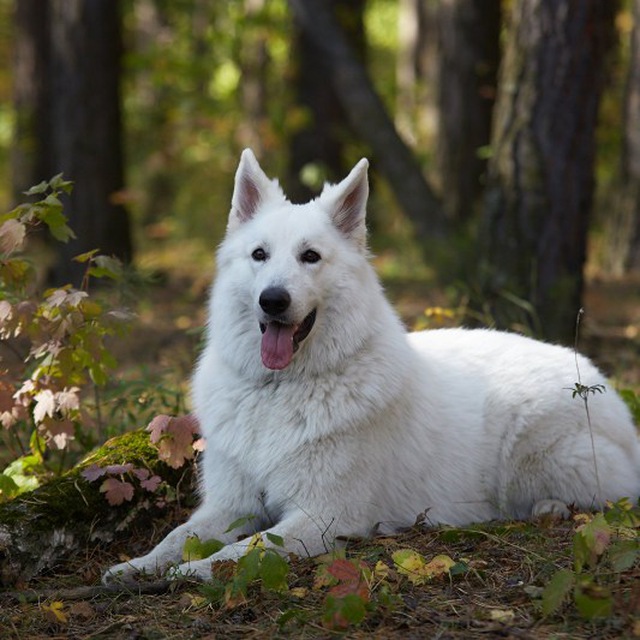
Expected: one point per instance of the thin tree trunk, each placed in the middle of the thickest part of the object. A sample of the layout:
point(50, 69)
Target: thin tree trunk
point(541, 175)
point(86, 127)
point(30, 157)
point(469, 56)
point(319, 141)
point(254, 62)
point(370, 120)
point(631, 147)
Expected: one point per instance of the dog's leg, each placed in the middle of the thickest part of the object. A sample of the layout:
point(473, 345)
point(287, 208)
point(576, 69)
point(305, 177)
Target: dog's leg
point(300, 533)
point(203, 523)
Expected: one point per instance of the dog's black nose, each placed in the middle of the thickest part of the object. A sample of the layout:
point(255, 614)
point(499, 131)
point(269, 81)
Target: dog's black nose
point(275, 300)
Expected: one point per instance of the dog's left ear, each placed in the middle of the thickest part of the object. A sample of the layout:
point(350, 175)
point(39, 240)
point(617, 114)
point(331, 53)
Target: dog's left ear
point(347, 202)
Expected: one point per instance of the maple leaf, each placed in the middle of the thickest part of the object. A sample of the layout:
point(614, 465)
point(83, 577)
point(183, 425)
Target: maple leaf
point(116, 491)
point(12, 234)
point(350, 579)
point(92, 473)
point(45, 405)
point(117, 469)
point(151, 484)
point(174, 438)
point(68, 400)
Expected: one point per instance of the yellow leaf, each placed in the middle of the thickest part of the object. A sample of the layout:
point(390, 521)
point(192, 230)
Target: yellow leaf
point(382, 570)
point(299, 592)
point(438, 566)
point(414, 566)
point(502, 615)
point(54, 612)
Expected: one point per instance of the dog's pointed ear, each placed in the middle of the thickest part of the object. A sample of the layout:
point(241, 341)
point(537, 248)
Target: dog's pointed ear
point(347, 202)
point(250, 188)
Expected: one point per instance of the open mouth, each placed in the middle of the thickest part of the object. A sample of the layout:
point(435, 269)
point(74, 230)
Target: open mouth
point(280, 341)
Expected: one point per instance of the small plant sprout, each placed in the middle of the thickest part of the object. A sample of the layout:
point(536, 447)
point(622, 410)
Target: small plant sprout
point(583, 391)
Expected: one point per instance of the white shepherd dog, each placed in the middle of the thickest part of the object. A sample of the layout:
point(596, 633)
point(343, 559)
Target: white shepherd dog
point(324, 418)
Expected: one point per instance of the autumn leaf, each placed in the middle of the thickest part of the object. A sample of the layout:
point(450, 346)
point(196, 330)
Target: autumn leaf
point(116, 491)
point(54, 612)
point(414, 566)
point(12, 234)
point(92, 473)
point(174, 438)
point(45, 405)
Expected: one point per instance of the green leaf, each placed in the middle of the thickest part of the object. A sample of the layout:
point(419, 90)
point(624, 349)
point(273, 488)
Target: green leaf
point(623, 554)
point(57, 183)
point(240, 522)
point(274, 539)
point(555, 593)
point(249, 566)
point(593, 601)
point(196, 549)
point(8, 487)
point(106, 267)
point(86, 257)
point(342, 612)
point(274, 570)
point(37, 189)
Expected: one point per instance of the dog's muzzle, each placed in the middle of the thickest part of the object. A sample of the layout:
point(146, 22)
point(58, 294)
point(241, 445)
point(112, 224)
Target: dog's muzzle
point(280, 339)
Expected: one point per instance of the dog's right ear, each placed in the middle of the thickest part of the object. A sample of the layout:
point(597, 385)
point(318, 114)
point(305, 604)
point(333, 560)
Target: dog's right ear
point(250, 188)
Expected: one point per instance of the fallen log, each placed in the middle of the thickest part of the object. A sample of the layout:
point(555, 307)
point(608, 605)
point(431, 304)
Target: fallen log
point(41, 529)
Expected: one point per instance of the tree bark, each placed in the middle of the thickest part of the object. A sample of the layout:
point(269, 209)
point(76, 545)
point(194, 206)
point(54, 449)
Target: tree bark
point(631, 148)
point(469, 56)
point(41, 529)
point(541, 174)
point(417, 71)
point(86, 127)
point(370, 120)
point(30, 157)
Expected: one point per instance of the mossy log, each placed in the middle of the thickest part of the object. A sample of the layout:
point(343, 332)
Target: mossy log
point(43, 528)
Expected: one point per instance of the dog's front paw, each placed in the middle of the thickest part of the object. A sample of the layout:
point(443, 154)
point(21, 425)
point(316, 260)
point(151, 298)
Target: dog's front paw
point(124, 573)
point(194, 570)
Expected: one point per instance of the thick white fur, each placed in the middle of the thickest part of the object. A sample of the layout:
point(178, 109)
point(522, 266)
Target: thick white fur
point(370, 426)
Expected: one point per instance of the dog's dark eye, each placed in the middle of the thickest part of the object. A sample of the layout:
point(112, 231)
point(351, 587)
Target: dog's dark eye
point(259, 254)
point(310, 256)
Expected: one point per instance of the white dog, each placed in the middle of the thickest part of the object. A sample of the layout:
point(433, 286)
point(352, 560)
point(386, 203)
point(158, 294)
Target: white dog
point(324, 418)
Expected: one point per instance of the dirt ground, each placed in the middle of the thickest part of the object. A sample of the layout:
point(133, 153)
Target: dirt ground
point(497, 596)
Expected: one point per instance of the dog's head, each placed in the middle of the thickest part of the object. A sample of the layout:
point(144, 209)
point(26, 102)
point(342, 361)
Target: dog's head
point(292, 259)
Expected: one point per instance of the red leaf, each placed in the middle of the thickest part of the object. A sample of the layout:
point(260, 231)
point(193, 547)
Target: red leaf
point(116, 491)
point(92, 473)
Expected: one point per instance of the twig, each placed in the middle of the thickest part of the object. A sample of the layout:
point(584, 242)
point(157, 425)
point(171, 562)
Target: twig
point(87, 593)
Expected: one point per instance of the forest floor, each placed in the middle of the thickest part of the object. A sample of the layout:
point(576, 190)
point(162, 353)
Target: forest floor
point(496, 594)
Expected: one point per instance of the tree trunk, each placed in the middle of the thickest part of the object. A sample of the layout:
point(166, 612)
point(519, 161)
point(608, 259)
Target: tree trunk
point(416, 71)
point(541, 174)
point(30, 157)
point(41, 529)
point(370, 120)
point(631, 148)
point(469, 55)
point(320, 138)
point(86, 127)
point(254, 63)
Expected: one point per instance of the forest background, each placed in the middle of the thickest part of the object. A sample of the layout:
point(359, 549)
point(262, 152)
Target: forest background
point(504, 139)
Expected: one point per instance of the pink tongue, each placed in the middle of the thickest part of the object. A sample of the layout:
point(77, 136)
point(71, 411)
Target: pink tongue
point(277, 345)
